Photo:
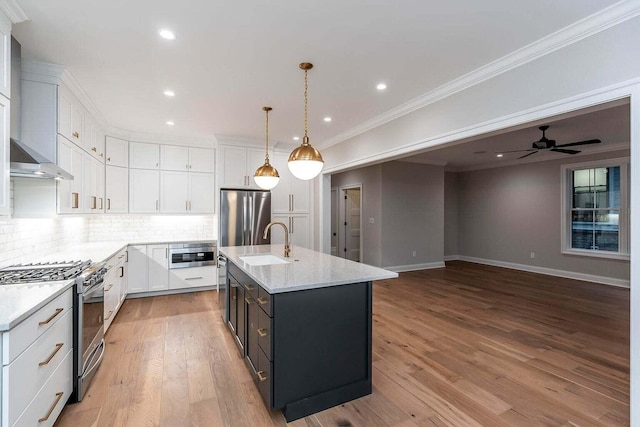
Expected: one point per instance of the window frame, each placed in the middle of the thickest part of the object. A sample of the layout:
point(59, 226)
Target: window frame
point(567, 206)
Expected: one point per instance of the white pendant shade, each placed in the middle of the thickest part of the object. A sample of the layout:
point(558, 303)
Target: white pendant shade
point(305, 169)
point(266, 182)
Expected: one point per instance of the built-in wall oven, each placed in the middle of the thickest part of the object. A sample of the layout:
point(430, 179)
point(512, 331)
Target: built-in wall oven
point(198, 254)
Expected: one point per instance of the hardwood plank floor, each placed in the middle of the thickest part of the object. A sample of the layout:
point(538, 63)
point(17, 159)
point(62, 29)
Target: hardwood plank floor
point(467, 345)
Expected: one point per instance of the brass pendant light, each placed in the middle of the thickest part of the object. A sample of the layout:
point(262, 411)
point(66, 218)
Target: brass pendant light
point(266, 176)
point(305, 162)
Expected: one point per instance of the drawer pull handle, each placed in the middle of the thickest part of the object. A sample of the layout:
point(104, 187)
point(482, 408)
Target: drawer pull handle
point(193, 278)
point(249, 287)
point(55, 403)
point(53, 316)
point(52, 355)
point(75, 200)
point(248, 300)
point(109, 288)
point(121, 269)
point(109, 316)
point(262, 332)
point(261, 301)
point(261, 376)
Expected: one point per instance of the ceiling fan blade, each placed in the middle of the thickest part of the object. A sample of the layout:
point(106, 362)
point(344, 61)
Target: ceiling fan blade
point(561, 150)
point(527, 155)
point(573, 144)
point(517, 151)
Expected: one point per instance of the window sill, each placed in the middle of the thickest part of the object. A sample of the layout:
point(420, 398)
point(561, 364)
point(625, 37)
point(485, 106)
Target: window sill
point(597, 254)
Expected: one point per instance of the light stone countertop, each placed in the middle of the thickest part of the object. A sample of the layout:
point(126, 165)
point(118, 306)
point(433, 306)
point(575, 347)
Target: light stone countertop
point(306, 269)
point(17, 302)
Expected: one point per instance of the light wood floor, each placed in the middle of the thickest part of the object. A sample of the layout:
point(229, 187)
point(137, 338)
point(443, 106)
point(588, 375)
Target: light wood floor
point(468, 345)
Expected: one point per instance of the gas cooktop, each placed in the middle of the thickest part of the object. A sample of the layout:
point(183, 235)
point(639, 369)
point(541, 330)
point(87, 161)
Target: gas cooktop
point(45, 272)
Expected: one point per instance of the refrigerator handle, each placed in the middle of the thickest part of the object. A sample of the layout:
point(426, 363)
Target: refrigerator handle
point(245, 220)
point(251, 216)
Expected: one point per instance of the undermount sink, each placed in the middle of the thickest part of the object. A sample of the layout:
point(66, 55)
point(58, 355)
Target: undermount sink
point(263, 259)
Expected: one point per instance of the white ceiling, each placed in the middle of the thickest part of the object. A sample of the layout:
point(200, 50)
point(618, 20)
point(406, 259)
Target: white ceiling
point(231, 58)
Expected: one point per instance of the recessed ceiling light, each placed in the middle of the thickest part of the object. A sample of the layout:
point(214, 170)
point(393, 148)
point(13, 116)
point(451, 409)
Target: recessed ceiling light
point(381, 86)
point(296, 138)
point(170, 123)
point(169, 93)
point(499, 155)
point(327, 119)
point(167, 34)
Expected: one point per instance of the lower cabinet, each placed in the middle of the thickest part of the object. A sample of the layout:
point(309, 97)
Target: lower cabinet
point(307, 350)
point(158, 267)
point(193, 277)
point(37, 365)
point(115, 285)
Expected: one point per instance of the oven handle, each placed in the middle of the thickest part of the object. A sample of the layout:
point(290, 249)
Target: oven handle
point(222, 261)
point(96, 363)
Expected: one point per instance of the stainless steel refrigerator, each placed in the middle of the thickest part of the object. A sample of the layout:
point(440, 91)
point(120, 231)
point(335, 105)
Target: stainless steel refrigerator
point(244, 214)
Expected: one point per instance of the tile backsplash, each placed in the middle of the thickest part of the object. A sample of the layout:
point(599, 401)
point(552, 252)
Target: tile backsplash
point(24, 240)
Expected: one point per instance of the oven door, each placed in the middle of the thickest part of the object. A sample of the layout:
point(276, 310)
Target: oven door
point(90, 335)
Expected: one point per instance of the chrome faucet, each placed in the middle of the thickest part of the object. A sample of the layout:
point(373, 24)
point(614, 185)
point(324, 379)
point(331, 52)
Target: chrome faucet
point(287, 248)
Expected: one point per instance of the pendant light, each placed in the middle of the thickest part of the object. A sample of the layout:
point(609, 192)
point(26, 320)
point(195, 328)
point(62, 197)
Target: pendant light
point(266, 176)
point(305, 162)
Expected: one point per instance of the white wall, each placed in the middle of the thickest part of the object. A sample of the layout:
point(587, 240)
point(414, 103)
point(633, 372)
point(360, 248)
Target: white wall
point(450, 214)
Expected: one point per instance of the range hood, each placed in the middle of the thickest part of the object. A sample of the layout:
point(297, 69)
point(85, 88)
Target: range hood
point(27, 163)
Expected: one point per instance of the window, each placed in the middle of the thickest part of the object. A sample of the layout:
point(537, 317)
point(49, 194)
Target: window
point(595, 209)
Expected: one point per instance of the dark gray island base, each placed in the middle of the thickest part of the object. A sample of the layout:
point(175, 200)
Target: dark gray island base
point(308, 350)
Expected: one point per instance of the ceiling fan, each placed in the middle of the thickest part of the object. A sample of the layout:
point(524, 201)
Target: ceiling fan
point(550, 144)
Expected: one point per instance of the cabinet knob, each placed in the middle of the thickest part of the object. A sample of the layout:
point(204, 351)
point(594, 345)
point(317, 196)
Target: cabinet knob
point(76, 135)
point(108, 159)
point(94, 149)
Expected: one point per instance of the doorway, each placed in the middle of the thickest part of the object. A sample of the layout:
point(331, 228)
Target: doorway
point(349, 224)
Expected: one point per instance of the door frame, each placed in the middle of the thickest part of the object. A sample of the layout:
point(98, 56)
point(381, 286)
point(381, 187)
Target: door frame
point(342, 219)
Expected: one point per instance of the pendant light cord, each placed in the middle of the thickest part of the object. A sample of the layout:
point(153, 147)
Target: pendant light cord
point(306, 101)
point(266, 147)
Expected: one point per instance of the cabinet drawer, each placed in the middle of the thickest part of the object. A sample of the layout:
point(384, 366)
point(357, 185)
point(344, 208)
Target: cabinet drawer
point(247, 283)
point(31, 370)
point(264, 333)
point(25, 333)
point(192, 277)
point(264, 379)
point(264, 301)
point(48, 403)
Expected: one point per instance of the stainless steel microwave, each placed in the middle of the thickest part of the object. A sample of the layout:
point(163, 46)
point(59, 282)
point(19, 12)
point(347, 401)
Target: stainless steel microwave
point(196, 254)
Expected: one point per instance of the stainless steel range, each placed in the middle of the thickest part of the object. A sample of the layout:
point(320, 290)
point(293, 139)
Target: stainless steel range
point(88, 310)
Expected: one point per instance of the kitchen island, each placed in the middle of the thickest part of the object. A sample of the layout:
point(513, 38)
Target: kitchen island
point(303, 325)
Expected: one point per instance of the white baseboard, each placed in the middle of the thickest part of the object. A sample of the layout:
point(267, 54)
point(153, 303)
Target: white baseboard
point(415, 267)
point(622, 283)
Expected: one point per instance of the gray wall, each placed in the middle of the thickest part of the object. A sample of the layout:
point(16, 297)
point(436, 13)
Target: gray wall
point(450, 213)
point(370, 179)
point(412, 214)
point(506, 213)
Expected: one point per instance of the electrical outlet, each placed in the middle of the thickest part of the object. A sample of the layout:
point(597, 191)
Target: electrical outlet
point(532, 255)
point(371, 220)
point(414, 253)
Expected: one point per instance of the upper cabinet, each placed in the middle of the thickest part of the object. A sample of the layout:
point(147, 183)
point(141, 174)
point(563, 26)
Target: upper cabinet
point(70, 117)
point(117, 152)
point(143, 155)
point(5, 56)
point(5, 95)
point(237, 166)
point(190, 159)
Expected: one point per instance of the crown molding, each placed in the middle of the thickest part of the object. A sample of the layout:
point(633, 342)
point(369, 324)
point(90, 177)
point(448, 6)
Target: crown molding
point(41, 71)
point(586, 27)
point(72, 84)
point(208, 142)
point(14, 11)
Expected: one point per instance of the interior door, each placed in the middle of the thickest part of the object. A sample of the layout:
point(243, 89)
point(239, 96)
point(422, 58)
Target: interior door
point(352, 224)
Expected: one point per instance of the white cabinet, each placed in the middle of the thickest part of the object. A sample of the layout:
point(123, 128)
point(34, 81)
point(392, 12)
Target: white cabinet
point(193, 277)
point(158, 267)
point(114, 287)
point(144, 155)
point(186, 192)
point(192, 159)
point(117, 152)
point(299, 226)
point(291, 195)
point(93, 141)
point(70, 117)
point(71, 159)
point(4, 156)
point(237, 166)
point(93, 185)
point(138, 269)
point(116, 189)
point(37, 365)
point(144, 191)
point(5, 56)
